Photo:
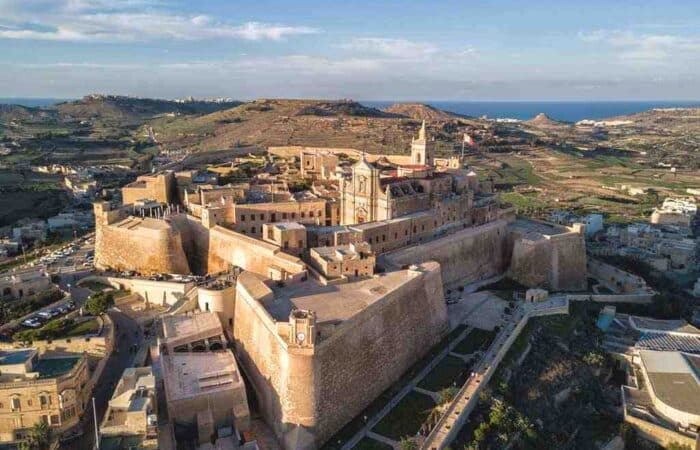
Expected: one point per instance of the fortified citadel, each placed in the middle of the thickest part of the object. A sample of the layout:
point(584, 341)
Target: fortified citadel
point(335, 290)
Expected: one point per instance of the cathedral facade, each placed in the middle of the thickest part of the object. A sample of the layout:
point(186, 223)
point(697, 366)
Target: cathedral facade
point(382, 191)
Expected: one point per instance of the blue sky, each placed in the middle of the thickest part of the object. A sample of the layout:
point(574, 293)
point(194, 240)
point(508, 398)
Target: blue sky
point(367, 50)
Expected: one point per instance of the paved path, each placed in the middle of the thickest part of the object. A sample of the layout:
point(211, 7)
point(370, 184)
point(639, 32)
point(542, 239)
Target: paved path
point(127, 333)
point(384, 439)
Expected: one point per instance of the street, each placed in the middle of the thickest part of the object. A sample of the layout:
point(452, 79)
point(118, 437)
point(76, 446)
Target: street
point(127, 332)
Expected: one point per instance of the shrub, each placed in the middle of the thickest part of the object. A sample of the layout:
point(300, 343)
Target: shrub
point(99, 302)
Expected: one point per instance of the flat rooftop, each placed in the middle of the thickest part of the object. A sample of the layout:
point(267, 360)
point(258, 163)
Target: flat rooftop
point(337, 303)
point(677, 326)
point(182, 326)
point(673, 379)
point(132, 222)
point(188, 375)
point(529, 226)
point(289, 226)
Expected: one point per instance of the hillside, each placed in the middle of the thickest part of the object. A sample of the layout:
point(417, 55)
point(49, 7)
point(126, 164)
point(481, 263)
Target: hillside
point(132, 110)
point(420, 111)
point(542, 120)
point(314, 123)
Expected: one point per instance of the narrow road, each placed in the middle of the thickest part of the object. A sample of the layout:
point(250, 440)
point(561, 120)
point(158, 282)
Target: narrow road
point(127, 333)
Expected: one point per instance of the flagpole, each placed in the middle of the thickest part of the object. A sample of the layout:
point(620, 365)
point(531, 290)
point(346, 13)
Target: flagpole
point(97, 430)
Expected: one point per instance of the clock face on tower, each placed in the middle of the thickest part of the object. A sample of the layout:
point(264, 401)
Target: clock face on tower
point(301, 337)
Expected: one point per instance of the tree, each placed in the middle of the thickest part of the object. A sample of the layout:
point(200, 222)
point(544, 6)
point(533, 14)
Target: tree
point(407, 443)
point(594, 359)
point(99, 302)
point(26, 337)
point(38, 438)
point(446, 395)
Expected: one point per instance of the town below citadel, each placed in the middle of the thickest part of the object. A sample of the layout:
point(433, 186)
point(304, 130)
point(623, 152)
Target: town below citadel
point(291, 295)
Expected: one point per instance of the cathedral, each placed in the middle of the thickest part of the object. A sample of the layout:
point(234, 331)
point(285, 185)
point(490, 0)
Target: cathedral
point(382, 190)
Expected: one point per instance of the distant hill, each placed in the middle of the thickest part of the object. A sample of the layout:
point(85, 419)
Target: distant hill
point(314, 123)
point(19, 112)
point(542, 120)
point(420, 111)
point(131, 109)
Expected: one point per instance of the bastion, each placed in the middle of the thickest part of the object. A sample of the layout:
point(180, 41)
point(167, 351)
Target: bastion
point(309, 350)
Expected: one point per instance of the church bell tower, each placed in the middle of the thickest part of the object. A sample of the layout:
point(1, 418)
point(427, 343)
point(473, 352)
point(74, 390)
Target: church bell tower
point(422, 148)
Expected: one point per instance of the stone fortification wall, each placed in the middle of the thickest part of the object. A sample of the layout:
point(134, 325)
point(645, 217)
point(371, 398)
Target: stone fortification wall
point(144, 249)
point(261, 351)
point(228, 248)
point(315, 388)
point(556, 261)
point(469, 255)
point(377, 345)
point(154, 292)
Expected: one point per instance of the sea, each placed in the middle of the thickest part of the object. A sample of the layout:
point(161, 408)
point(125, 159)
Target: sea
point(566, 111)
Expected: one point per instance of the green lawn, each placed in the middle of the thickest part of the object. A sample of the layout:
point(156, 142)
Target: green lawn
point(407, 417)
point(450, 372)
point(79, 329)
point(370, 444)
point(474, 341)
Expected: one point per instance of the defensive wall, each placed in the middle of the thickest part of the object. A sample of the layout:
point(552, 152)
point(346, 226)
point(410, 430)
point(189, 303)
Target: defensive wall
point(468, 255)
point(549, 256)
point(152, 291)
point(134, 243)
point(180, 244)
point(307, 393)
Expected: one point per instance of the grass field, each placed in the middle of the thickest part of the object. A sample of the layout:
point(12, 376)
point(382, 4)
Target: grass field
point(407, 417)
point(371, 444)
point(474, 341)
point(450, 372)
point(82, 328)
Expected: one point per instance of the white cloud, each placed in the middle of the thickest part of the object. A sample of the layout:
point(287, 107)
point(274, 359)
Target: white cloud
point(126, 21)
point(392, 48)
point(645, 49)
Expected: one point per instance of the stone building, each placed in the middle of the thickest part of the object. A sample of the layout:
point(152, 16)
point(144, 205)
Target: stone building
point(159, 187)
point(22, 283)
point(206, 390)
point(343, 261)
point(664, 404)
point(192, 333)
point(382, 190)
point(132, 413)
point(36, 388)
point(289, 236)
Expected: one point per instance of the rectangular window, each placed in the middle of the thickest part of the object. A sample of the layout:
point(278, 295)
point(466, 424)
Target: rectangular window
point(252, 230)
point(16, 405)
point(284, 215)
point(242, 217)
point(54, 419)
point(311, 213)
point(273, 217)
point(262, 216)
point(303, 214)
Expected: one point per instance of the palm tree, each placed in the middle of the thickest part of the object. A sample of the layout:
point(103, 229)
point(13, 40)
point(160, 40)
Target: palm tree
point(39, 437)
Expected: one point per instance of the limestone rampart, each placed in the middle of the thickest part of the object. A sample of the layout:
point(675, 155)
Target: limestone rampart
point(466, 256)
point(318, 389)
point(228, 248)
point(544, 255)
point(146, 245)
